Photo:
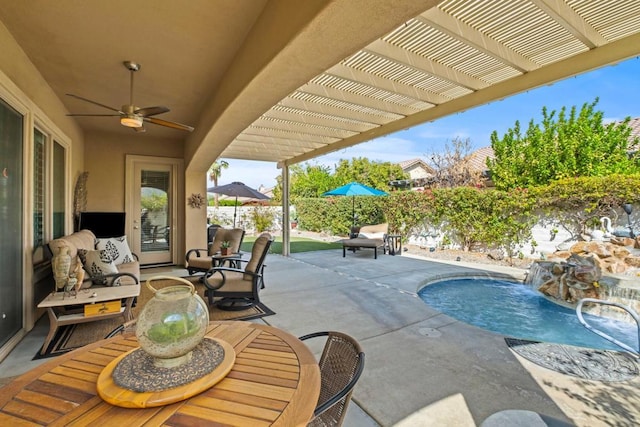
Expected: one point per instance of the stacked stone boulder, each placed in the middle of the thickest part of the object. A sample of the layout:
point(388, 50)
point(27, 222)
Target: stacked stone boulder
point(614, 256)
point(594, 269)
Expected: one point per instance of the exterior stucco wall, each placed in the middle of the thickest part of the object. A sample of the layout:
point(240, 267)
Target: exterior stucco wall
point(105, 156)
point(22, 85)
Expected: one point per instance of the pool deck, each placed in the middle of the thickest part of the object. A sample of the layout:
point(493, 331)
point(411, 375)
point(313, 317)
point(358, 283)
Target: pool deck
point(422, 367)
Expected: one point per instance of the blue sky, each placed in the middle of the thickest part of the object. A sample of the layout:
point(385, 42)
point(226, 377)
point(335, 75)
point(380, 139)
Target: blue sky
point(617, 87)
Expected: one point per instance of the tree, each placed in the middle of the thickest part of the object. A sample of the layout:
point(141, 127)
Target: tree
point(215, 171)
point(310, 180)
point(453, 166)
point(364, 171)
point(562, 147)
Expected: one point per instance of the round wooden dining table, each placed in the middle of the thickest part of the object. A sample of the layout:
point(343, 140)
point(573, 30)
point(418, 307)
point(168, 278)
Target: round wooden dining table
point(275, 381)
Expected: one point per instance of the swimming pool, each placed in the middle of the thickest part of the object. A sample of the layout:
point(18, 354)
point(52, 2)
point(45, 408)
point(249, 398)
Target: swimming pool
point(516, 310)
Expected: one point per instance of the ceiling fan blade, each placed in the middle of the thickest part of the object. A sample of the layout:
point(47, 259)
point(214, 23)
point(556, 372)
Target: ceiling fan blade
point(94, 102)
point(141, 129)
point(168, 124)
point(93, 115)
point(151, 111)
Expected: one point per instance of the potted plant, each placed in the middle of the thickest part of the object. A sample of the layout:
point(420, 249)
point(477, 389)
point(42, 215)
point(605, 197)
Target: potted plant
point(225, 248)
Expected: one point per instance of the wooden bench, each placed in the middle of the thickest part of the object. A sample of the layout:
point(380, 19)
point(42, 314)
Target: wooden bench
point(367, 236)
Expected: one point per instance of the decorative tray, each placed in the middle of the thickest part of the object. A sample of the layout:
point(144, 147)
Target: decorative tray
point(132, 380)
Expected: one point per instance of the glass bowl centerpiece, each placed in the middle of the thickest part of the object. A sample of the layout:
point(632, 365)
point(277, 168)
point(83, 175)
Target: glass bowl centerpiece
point(172, 323)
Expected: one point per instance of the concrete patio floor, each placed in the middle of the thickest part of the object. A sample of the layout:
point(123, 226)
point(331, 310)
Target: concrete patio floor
point(422, 368)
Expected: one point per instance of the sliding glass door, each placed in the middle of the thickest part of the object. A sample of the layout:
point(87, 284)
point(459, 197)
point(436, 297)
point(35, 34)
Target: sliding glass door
point(11, 214)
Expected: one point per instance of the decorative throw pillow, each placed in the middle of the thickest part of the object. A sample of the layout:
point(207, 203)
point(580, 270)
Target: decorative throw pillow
point(98, 264)
point(379, 235)
point(117, 248)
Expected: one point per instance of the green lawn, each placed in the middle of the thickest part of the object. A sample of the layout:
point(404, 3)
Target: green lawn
point(298, 244)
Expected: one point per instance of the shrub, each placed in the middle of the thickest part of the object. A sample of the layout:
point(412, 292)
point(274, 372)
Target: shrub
point(262, 218)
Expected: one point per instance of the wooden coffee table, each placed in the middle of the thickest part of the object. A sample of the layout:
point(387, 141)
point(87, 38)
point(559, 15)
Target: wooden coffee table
point(69, 310)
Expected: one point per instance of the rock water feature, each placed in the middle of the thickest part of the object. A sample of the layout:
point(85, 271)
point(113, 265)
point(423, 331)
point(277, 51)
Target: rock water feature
point(603, 270)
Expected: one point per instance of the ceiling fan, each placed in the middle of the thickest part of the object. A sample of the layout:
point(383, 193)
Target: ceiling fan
point(132, 116)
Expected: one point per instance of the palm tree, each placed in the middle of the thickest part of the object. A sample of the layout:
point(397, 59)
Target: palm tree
point(214, 174)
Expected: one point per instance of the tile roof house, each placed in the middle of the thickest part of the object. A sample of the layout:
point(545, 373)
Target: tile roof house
point(478, 159)
point(418, 170)
point(634, 124)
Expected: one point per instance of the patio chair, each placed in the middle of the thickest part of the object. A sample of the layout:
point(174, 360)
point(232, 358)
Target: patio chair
point(341, 365)
point(211, 232)
point(367, 236)
point(200, 260)
point(231, 288)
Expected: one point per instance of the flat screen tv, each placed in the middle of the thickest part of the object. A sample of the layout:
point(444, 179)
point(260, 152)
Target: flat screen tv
point(103, 224)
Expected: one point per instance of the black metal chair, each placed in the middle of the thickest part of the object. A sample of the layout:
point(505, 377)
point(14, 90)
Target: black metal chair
point(232, 288)
point(341, 365)
point(211, 232)
point(199, 260)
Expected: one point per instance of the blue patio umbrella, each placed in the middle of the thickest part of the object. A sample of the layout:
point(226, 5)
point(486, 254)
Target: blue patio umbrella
point(354, 189)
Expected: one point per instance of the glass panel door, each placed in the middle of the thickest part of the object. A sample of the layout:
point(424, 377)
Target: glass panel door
point(153, 208)
point(11, 196)
point(58, 194)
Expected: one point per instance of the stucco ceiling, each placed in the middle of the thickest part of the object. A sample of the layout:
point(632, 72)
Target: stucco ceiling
point(285, 80)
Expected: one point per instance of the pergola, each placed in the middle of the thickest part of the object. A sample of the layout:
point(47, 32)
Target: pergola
point(287, 80)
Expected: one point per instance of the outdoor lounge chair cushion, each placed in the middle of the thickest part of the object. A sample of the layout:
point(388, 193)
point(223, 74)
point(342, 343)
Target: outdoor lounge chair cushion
point(371, 235)
point(256, 252)
point(85, 239)
point(199, 260)
point(376, 231)
point(234, 236)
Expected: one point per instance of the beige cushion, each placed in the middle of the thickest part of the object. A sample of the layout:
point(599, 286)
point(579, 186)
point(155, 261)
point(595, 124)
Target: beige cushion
point(256, 253)
point(362, 243)
point(234, 282)
point(129, 267)
point(203, 262)
point(371, 235)
point(233, 236)
point(376, 228)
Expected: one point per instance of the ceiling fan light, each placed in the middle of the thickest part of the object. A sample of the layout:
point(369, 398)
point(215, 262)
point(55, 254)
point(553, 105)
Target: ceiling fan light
point(131, 121)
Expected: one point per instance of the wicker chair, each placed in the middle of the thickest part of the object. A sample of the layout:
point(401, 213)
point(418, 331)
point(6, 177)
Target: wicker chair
point(231, 288)
point(199, 260)
point(341, 365)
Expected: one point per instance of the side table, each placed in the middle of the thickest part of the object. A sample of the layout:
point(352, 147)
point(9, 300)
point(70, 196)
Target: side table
point(69, 310)
point(395, 244)
point(218, 260)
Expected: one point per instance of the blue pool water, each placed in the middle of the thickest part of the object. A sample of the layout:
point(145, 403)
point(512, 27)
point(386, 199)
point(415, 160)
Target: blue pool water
point(515, 310)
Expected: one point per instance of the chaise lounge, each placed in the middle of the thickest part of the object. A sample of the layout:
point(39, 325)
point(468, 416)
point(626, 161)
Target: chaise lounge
point(367, 236)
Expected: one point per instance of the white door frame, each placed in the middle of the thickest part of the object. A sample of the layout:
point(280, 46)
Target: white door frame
point(131, 192)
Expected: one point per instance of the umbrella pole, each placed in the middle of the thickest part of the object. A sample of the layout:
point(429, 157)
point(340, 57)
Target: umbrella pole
point(235, 207)
point(353, 210)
